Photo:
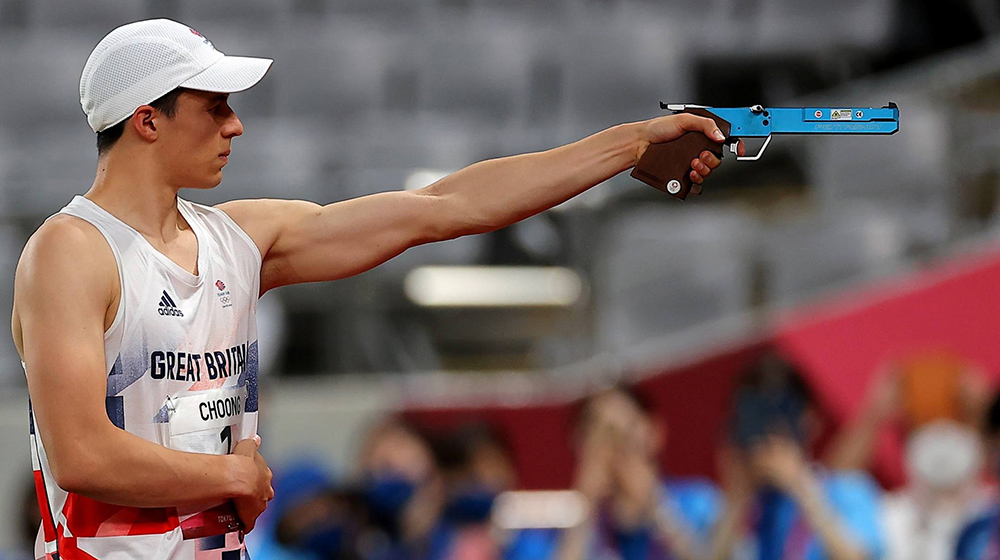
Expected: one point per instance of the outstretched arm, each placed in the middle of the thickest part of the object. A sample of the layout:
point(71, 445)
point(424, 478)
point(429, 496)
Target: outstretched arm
point(305, 242)
point(65, 283)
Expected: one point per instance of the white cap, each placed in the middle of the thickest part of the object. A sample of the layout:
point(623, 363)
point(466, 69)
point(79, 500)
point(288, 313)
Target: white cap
point(140, 62)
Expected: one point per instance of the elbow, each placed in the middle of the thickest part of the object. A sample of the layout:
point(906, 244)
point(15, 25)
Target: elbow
point(74, 472)
point(450, 216)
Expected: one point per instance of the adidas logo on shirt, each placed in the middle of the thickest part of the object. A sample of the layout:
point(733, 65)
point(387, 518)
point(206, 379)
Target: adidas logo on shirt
point(168, 307)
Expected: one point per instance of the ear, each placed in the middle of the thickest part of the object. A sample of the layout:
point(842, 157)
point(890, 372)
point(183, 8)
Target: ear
point(143, 123)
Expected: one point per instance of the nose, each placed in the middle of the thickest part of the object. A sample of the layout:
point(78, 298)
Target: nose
point(233, 126)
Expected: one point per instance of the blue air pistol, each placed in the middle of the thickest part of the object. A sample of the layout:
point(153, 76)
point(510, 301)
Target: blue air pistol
point(667, 166)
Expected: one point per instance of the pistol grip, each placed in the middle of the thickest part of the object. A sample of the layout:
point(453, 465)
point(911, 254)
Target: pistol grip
point(667, 166)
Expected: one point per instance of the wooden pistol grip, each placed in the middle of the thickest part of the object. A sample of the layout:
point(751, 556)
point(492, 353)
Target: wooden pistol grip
point(664, 163)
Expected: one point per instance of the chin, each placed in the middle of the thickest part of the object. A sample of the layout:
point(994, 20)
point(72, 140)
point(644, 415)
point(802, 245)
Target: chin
point(211, 183)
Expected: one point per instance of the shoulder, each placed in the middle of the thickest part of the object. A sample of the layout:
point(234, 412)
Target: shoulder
point(974, 537)
point(853, 492)
point(264, 218)
point(698, 499)
point(65, 248)
point(266, 209)
point(851, 480)
point(692, 488)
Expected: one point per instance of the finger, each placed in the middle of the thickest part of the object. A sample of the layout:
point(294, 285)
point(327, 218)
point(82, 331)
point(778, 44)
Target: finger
point(741, 149)
point(696, 178)
point(701, 168)
point(704, 125)
point(256, 439)
point(709, 159)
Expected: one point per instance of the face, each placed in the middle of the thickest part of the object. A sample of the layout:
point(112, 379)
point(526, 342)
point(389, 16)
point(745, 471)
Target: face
point(617, 420)
point(399, 452)
point(194, 145)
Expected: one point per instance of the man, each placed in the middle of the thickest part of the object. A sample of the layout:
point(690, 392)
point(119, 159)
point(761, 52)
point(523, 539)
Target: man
point(794, 510)
point(633, 512)
point(134, 309)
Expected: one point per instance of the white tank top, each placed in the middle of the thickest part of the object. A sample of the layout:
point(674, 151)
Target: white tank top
point(181, 363)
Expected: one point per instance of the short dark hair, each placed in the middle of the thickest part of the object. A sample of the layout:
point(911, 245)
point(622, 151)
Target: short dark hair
point(771, 396)
point(166, 104)
point(582, 412)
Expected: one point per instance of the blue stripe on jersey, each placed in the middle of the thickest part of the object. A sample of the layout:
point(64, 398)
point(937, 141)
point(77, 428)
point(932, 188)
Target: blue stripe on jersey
point(31, 419)
point(249, 377)
point(125, 372)
point(213, 542)
point(116, 410)
point(163, 416)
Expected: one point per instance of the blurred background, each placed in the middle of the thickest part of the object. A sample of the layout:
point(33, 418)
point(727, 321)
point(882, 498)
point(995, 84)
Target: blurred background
point(844, 257)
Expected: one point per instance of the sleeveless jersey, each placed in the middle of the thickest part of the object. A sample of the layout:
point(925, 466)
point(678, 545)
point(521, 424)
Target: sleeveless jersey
point(181, 363)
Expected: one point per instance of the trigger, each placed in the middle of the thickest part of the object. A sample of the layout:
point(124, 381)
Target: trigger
point(695, 189)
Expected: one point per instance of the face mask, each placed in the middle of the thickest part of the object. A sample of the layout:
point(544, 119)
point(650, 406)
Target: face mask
point(387, 495)
point(943, 454)
point(324, 541)
point(471, 505)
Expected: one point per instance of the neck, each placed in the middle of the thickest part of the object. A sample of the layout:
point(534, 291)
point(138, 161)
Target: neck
point(136, 194)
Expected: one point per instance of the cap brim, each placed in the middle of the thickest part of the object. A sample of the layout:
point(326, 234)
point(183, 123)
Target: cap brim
point(230, 74)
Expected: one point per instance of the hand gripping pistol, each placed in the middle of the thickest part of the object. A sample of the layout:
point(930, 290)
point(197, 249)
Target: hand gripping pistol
point(667, 166)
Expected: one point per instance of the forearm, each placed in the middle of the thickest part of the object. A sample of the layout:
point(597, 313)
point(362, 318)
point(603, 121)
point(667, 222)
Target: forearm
point(727, 529)
point(677, 537)
point(496, 193)
point(809, 495)
point(853, 447)
point(123, 469)
point(575, 540)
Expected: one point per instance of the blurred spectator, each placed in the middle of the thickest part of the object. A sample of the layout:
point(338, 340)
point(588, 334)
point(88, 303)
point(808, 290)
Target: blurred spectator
point(933, 401)
point(477, 466)
point(980, 539)
point(402, 491)
point(791, 508)
point(634, 513)
point(308, 518)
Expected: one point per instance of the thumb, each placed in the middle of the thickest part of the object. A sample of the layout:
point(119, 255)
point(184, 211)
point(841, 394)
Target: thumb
point(704, 125)
point(256, 439)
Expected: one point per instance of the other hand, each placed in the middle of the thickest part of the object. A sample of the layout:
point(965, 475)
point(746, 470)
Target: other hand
point(594, 476)
point(637, 487)
point(672, 127)
point(249, 508)
point(884, 398)
point(735, 474)
point(778, 460)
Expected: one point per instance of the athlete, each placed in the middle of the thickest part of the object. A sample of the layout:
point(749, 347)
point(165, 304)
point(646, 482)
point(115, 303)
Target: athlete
point(134, 308)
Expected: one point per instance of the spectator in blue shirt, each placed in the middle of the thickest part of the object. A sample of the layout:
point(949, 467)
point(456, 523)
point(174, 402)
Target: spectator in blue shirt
point(634, 513)
point(781, 505)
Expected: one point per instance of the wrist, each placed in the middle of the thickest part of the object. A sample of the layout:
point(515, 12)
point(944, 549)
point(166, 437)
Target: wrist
point(803, 486)
point(241, 472)
point(638, 139)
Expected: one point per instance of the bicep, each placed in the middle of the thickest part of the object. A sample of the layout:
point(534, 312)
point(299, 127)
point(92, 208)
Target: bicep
point(305, 242)
point(61, 293)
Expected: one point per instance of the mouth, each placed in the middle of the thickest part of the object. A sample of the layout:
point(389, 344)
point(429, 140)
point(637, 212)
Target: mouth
point(224, 156)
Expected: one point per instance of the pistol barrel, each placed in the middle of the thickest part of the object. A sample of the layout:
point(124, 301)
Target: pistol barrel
point(760, 122)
